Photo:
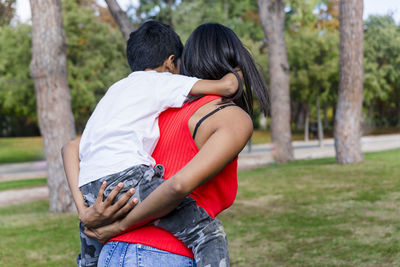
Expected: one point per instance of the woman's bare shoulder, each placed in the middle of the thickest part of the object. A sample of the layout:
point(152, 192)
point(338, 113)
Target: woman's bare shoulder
point(234, 117)
point(231, 119)
point(229, 115)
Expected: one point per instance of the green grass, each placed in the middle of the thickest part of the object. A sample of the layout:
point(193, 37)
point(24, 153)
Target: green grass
point(30, 236)
point(22, 183)
point(317, 213)
point(305, 213)
point(21, 149)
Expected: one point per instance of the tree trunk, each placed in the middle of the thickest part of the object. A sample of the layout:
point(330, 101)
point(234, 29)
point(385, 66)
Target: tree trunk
point(307, 124)
point(300, 117)
point(326, 121)
point(124, 23)
point(272, 16)
point(263, 122)
point(398, 108)
point(49, 71)
point(319, 120)
point(370, 116)
point(348, 113)
point(398, 114)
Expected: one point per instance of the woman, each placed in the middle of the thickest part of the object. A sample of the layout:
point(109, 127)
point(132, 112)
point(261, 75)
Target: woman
point(198, 147)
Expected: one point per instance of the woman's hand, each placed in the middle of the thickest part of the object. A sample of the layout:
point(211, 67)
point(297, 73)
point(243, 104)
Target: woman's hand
point(104, 233)
point(104, 212)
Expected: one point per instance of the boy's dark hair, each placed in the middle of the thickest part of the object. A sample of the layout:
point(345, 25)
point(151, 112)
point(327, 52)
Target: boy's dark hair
point(151, 44)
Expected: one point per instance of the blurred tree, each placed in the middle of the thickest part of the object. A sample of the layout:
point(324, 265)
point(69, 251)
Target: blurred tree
point(314, 57)
point(311, 29)
point(328, 14)
point(124, 22)
point(96, 58)
point(49, 71)
point(272, 17)
point(161, 10)
point(382, 65)
point(17, 99)
point(347, 130)
point(7, 10)
point(241, 16)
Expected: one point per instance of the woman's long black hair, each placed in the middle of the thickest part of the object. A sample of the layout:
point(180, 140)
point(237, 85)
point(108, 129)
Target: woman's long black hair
point(214, 50)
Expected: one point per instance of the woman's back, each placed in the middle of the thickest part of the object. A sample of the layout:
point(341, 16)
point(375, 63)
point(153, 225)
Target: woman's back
point(174, 150)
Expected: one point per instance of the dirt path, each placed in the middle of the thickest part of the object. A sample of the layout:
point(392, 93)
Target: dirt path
point(16, 196)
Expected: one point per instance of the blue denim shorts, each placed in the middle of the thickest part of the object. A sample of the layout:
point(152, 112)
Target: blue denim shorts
point(116, 253)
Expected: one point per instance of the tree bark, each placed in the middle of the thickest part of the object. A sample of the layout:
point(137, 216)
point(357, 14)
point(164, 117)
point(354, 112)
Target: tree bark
point(124, 23)
point(319, 121)
point(397, 101)
point(326, 121)
point(272, 16)
point(49, 71)
point(307, 124)
point(349, 107)
point(398, 114)
point(300, 116)
point(263, 122)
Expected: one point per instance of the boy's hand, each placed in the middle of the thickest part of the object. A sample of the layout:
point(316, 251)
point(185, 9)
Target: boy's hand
point(104, 212)
point(231, 82)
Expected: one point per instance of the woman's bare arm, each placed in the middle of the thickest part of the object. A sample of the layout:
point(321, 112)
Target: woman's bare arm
point(103, 212)
point(230, 130)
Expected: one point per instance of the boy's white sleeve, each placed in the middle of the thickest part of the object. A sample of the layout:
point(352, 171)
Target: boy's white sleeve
point(175, 90)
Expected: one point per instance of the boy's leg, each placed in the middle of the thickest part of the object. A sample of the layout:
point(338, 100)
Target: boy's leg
point(131, 178)
point(192, 225)
point(90, 250)
point(198, 231)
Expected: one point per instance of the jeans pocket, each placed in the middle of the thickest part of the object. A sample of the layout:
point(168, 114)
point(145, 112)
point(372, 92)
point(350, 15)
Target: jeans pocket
point(108, 248)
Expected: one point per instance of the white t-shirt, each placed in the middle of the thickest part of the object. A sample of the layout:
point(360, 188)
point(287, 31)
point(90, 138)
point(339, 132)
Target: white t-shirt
point(123, 129)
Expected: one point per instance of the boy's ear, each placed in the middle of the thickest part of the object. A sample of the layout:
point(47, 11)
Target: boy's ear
point(170, 65)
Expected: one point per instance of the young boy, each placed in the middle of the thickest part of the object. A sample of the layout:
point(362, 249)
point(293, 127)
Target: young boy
point(121, 134)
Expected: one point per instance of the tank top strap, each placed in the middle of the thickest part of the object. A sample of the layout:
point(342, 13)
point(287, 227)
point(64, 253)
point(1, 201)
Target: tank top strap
point(192, 107)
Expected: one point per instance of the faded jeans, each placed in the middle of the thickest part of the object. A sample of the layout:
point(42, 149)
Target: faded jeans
point(188, 222)
point(116, 253)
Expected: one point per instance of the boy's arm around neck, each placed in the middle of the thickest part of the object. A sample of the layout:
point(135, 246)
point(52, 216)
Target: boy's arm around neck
point(226, 86)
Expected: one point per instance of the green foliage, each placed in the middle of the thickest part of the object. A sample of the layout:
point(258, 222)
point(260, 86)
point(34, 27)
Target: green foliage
point(17, 95)
point(16, 86)
point(240, 16)
point(96, 58)
point(7, 11)
point(382, 65)
point(314, 64)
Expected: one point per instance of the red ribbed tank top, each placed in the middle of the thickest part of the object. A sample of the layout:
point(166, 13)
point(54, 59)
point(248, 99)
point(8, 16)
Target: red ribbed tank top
point(174, 150)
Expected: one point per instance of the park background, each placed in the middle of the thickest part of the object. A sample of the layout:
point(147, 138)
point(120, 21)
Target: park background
point(307, 213)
